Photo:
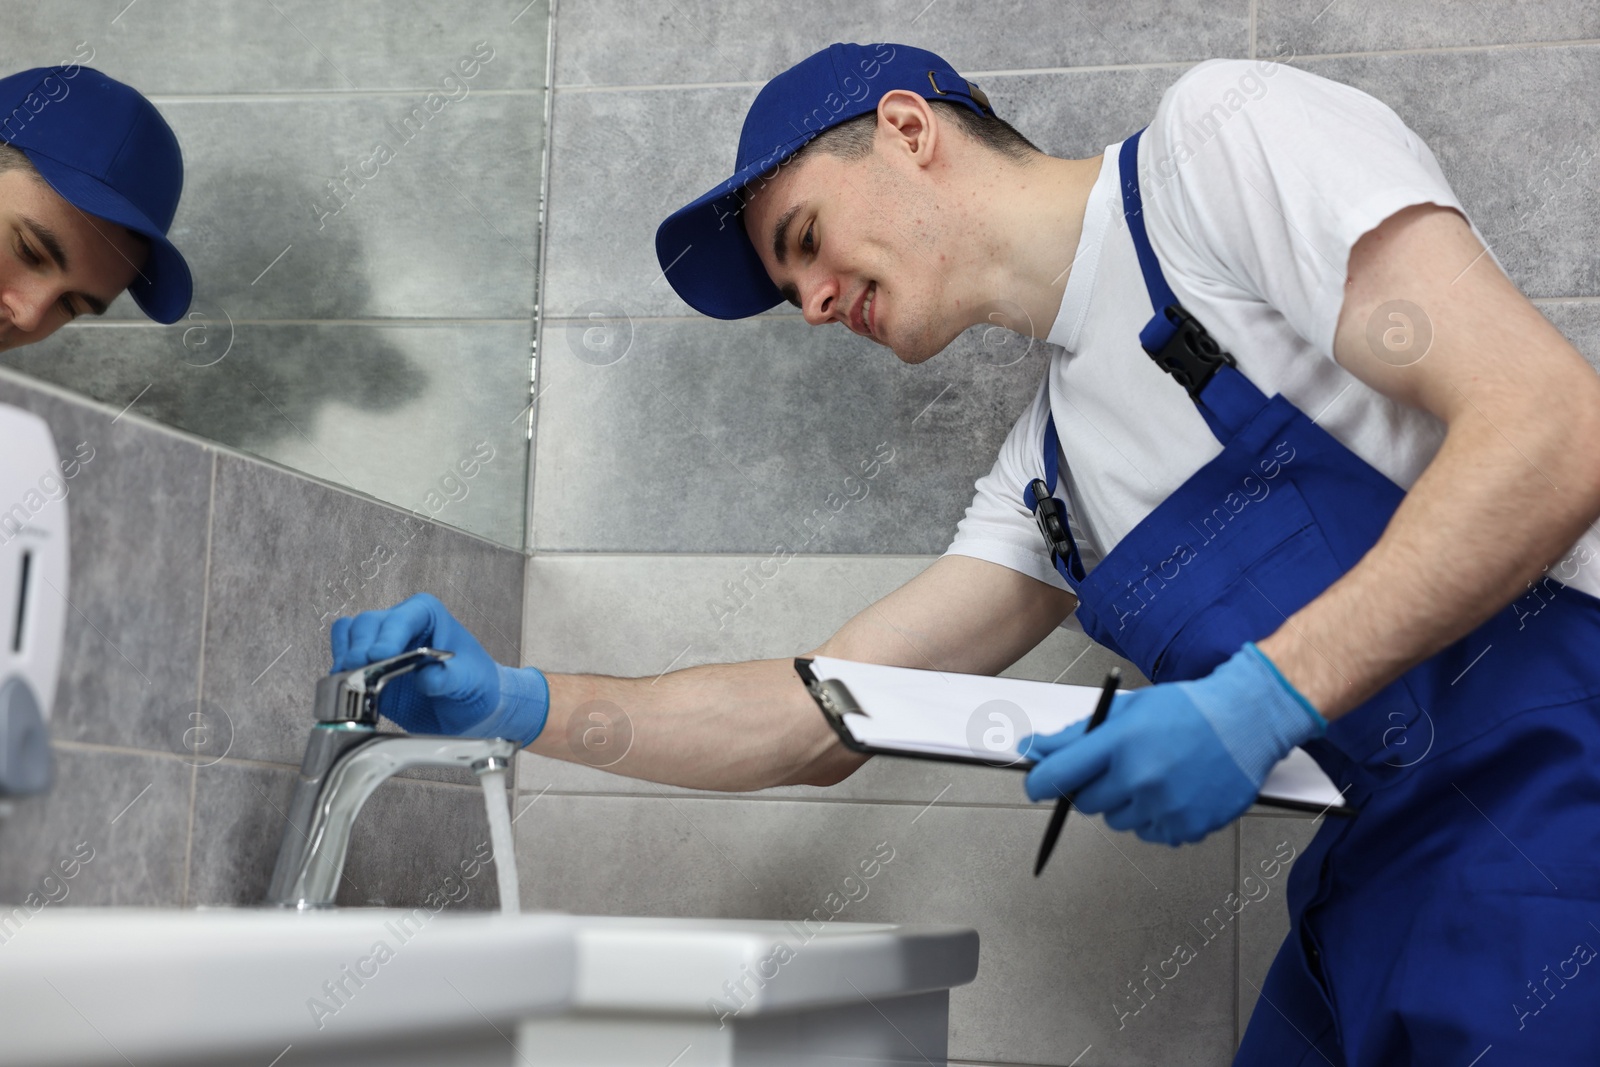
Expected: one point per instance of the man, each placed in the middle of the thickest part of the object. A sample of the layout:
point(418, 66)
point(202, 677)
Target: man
point(1311, 444)
point(90, 176)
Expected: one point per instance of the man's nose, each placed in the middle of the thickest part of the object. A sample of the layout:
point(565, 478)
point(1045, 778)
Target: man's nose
point(26, 306)
point(821, 301)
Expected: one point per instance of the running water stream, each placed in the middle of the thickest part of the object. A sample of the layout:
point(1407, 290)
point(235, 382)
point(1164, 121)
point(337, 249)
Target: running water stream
point(498, 805)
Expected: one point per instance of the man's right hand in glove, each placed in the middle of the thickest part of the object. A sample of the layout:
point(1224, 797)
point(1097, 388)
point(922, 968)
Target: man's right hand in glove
point(468, 695)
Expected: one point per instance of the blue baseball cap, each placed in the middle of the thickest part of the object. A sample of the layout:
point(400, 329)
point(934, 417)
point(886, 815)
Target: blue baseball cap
point(106, 150)
point(702, 247)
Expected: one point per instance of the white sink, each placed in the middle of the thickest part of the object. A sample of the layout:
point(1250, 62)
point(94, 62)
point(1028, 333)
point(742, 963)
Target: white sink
point(368, 987)
point(719, 992)
point(91, 986)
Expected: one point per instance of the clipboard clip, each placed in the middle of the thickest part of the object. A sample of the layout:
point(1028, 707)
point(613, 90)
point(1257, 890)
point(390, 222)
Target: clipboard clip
point(835, 700)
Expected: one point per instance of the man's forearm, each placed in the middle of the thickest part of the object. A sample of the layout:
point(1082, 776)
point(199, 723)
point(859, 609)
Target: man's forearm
point(737, 726)
point(1482, 521)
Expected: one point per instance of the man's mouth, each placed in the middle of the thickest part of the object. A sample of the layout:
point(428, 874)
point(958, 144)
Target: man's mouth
point(862, 321)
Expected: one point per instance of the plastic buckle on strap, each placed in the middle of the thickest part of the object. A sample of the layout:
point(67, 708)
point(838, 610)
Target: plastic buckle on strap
point(1051, 515)
point(1183, 348)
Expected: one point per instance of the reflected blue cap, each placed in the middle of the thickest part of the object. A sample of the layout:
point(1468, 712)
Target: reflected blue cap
point(105, 149)
point(702, 247)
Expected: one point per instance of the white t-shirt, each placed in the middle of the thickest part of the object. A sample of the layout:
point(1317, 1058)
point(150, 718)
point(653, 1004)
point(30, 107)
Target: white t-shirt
point(1257, 180)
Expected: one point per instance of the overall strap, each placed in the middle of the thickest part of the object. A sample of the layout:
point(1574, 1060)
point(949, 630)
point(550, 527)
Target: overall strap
point(1180, 346)
point(1174, 338)
point(1051, 513)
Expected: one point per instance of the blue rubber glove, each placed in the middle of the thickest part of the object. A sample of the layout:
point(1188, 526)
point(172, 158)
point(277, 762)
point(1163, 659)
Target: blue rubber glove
point(468, 695)
point(1174, 762)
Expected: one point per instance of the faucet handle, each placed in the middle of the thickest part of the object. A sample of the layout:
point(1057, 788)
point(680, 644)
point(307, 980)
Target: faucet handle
point(352, 696)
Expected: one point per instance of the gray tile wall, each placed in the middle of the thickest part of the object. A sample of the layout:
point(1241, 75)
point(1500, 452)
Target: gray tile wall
point(371, 337)
point(674, 451)
point(201, 587)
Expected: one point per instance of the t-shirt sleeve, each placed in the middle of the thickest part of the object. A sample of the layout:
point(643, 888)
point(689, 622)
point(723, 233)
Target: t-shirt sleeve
point(1264, 176)
point(998, 526)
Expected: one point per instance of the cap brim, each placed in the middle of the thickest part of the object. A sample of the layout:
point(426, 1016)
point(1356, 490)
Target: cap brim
point(163, 287)
point(706, 255)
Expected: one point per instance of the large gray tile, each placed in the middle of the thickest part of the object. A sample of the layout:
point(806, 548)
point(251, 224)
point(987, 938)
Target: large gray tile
point(411, 840)
point(584, 615)
point(1055, 951)
point(239, 821)
point(1264, 841)
point(738, 437)
point(191, 46)
point(1311, 26)
point(289, 556)
point(417, 840)
point(1516, 132)
point(446, 228)
point(609, 42)
point(389, 410)
point(137, 526)
point(113, 830)
point(601, 223)
point(603, 219)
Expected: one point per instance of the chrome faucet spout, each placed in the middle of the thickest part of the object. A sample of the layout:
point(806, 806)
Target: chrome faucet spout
point(346, 760)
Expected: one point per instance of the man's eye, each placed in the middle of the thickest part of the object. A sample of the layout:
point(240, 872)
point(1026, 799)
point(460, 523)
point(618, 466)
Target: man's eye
point(806, 242)
point(66, 305)
point(27, 255)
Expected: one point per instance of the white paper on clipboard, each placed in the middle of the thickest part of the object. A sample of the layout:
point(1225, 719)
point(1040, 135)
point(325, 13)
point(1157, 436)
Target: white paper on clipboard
point(967, 716)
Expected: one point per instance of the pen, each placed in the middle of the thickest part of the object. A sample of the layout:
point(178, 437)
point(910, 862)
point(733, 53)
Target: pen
point(1058, 818)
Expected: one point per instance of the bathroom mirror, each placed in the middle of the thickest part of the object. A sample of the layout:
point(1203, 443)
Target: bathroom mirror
point(361, 208)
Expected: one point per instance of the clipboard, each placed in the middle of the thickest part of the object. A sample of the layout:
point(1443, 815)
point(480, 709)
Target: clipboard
point(1295, 784)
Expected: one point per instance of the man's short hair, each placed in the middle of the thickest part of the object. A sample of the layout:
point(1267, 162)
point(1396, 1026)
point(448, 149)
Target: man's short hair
point(13, 158)
point(853, 139)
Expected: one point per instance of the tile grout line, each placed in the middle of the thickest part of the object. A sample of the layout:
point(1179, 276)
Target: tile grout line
point(1101, 68)
point(739, 798)
point(569, 553)
point(711, 796)
point(200, 678)
point(537, 370)
point(227, 761)
point(555, 318)
point(1468, 49)
point(296, 96)
point(188, 840)
point(393, 321)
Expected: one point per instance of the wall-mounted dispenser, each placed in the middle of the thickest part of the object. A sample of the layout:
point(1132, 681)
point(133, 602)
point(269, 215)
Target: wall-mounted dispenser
point(34, 482)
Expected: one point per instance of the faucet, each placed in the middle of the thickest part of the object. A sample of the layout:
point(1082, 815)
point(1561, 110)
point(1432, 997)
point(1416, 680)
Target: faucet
point(346, 759)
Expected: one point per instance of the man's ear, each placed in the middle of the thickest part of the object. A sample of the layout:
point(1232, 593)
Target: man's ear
point(907, 125)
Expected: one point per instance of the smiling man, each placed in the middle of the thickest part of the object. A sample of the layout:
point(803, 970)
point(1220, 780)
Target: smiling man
point(1321, 472)
point(90, 176)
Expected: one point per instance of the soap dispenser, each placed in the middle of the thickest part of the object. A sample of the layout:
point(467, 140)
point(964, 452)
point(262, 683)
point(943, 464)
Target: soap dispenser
point(34, 484)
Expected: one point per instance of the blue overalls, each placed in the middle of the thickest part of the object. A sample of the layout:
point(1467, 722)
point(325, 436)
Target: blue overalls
point(1458, 916)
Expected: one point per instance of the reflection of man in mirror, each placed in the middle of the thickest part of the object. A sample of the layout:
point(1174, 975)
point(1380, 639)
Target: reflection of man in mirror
point(90, 175)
